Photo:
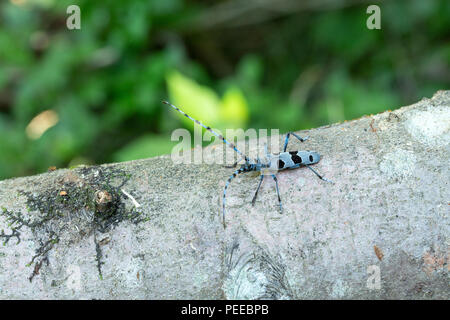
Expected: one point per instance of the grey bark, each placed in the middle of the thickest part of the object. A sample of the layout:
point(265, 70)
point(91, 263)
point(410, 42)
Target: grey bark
point(82, 237)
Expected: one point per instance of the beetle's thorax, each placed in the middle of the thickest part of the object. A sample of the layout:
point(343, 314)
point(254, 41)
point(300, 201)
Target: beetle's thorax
point(247, 167)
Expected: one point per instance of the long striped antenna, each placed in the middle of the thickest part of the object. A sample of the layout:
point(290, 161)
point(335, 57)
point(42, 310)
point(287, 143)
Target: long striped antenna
point(231, 145)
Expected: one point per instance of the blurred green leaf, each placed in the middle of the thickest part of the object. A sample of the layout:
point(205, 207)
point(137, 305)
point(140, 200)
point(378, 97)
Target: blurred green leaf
point(200, 102)
point(250, 70)
point(234, 111)
point(344, 34)
point(145, 147)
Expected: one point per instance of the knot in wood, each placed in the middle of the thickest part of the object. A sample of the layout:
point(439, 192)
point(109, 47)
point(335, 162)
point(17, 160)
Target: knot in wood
point(103, 200)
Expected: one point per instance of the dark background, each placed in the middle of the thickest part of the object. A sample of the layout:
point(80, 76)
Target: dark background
point(90, 96)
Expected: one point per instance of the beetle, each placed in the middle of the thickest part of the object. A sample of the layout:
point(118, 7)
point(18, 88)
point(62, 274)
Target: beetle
point(267, 166)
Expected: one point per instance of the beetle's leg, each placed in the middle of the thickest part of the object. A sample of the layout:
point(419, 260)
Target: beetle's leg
point(257, 189)
point(238, 171)
point(278, 192)
point(317, 174)
point(295, 135)
point(234, 164)
point(231, 166)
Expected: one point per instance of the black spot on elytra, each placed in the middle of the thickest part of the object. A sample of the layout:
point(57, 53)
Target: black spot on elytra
point(281, 164)
point(295, 158)
point(311, 158)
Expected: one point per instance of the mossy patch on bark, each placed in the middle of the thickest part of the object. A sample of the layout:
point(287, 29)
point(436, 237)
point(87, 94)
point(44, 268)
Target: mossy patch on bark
point(84, 202)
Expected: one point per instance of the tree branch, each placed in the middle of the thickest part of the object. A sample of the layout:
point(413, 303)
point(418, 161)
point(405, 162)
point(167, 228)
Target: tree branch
point(386, 215)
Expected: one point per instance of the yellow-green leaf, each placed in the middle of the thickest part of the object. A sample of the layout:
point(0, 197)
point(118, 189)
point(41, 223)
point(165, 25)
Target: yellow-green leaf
point(198, 101)
point(234, 109)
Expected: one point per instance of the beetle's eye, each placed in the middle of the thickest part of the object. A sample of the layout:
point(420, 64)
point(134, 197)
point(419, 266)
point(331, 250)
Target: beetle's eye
point(311, 158)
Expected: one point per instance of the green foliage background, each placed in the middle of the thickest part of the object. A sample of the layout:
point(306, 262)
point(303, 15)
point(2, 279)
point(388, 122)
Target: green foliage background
point(268, 67)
